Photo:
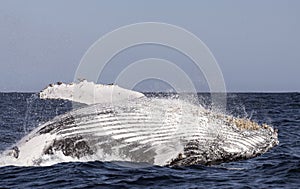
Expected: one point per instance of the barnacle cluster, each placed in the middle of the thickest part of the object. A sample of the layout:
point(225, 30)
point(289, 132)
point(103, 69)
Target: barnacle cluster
point(243, 123)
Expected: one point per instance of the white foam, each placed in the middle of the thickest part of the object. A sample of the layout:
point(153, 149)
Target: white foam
point(88, 92)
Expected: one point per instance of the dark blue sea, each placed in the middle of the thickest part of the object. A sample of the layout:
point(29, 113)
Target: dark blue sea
point(278, 168)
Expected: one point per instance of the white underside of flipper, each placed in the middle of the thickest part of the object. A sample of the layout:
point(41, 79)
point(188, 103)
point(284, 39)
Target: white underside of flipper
point(88, 93)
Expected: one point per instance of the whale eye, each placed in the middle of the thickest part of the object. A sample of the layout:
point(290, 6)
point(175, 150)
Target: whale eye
point(14, 151)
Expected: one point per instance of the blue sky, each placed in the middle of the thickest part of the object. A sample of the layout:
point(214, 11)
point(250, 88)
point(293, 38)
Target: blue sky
point(256, 43)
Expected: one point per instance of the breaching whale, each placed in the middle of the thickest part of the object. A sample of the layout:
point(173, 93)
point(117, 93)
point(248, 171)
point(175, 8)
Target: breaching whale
point(167, 132)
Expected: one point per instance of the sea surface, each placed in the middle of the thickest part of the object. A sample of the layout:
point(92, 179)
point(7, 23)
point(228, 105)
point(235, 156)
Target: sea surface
point(278, 168)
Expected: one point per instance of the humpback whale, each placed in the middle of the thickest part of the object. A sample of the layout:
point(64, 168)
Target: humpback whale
point(166, 132)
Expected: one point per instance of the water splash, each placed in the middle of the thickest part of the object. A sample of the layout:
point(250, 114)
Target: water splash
point(29, 120)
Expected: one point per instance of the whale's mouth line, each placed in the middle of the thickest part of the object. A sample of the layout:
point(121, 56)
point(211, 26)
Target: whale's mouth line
point(168, 132)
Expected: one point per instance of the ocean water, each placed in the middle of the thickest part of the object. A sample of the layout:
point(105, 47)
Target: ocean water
point(278, 168)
